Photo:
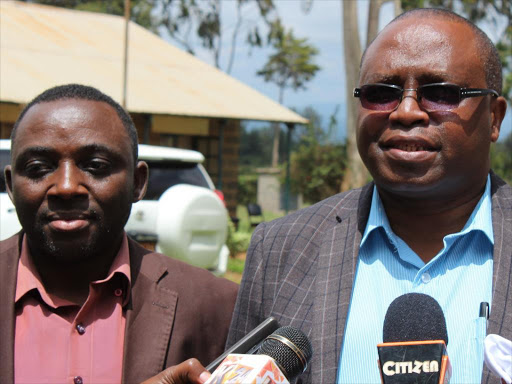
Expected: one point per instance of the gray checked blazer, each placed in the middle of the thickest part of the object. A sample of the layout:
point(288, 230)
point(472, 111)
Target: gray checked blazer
point(300, 269)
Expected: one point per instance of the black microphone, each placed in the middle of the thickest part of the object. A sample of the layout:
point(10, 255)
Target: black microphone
point(279, 359)
point(249, 343)
point(415, 340)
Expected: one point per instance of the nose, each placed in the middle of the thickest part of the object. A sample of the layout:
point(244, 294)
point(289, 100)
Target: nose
point(68, 182)
point(409, 112)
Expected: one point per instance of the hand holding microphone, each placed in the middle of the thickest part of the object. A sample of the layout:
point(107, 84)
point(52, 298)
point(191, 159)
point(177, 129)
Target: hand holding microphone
point(191, 371)
point(276, 359)
point(280, 358)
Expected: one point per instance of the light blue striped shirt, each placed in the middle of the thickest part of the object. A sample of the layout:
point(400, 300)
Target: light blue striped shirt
point(459, 277)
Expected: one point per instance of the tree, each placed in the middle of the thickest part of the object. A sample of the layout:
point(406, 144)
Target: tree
point(318, 164)
point(180, 17)
point(256, 147)
point(501, 158)
point(290, 66)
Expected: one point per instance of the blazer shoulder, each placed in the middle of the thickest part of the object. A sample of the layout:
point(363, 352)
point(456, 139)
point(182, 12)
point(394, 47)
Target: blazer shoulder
point(325, 214)
point(11, 244)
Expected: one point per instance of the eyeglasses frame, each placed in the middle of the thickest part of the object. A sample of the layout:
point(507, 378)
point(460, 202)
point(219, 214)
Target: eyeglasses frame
point(463, 92)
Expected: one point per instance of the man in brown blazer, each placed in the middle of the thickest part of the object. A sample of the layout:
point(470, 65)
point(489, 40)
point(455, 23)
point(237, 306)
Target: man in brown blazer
point(80, 302)
point(429, 110)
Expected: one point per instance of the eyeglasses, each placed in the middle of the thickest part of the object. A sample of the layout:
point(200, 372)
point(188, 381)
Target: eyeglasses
point(430, 97)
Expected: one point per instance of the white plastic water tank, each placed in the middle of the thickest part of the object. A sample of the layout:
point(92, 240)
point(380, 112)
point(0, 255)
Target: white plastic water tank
point(191, 225)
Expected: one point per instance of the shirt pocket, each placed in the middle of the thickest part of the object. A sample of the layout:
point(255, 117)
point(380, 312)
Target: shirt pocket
point(474, 356)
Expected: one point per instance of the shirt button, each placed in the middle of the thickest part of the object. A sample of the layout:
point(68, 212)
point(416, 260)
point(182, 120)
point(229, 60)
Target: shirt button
point(78, 380)
point(118, 292)
point(81, 330)
point(426, 277)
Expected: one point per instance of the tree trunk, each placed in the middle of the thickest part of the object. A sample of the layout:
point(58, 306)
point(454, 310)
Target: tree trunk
point(356, 173)
point(277, 133)
point(398, 7)
point(373, 20)
point(275, 145)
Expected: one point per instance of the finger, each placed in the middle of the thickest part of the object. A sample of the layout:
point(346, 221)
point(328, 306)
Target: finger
point(189, 372)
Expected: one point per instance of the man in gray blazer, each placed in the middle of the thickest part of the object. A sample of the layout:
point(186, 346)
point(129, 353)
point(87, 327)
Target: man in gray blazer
point(80, 302)
point(434, 220)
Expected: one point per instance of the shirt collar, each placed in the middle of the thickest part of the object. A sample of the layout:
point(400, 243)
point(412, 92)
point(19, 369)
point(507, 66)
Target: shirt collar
point(28, 277)
point(480, 219)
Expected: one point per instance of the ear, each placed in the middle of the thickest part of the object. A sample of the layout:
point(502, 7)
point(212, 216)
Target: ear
point(498, 109)
point(140, 177)
point(8, 181)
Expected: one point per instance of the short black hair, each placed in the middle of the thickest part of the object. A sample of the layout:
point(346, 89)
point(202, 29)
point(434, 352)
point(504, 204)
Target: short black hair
point(82, 92)
point(487, 52)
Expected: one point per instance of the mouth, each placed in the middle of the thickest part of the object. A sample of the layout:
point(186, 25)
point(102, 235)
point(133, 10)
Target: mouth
point(69, 222)
point(410, 150)
point(411, 147)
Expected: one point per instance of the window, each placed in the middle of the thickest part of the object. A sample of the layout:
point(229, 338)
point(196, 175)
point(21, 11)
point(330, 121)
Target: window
point(163, 175)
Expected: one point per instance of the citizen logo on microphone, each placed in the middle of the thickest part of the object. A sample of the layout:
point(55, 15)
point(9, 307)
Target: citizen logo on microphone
point(415, 339)
point(391, 368)
point(414, 362)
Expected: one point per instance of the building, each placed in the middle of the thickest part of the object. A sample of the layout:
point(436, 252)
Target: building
point(174, 98)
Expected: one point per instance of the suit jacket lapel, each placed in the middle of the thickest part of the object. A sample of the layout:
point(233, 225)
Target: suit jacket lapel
point(335, 278)
point(149, 318)
point(9, 256)
point(500, 319)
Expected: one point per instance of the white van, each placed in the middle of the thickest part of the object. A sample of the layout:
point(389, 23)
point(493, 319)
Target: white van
point(182, 215)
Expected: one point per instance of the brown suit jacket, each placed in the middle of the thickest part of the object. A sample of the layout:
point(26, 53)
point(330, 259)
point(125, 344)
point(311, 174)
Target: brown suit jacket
point(175, 312)
point(300, 269)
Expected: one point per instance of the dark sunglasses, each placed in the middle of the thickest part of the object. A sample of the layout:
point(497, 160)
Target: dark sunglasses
point(430, 97)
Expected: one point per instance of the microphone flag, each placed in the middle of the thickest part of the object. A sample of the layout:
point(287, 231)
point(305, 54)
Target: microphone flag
point(247, 369)
point(421, 362)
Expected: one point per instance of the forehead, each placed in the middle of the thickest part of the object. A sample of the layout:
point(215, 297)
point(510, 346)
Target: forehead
point(71, 121)
point(436, 48)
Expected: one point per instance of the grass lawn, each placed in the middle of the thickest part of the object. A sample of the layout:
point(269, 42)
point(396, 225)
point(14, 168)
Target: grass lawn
point(240, 241)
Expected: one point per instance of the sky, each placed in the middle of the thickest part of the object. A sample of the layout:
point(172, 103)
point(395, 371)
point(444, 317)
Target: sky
point(322, 26)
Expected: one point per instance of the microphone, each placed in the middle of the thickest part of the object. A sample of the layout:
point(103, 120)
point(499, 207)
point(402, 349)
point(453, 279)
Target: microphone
point(415, 340)
point(249, 343)
point(279, 359)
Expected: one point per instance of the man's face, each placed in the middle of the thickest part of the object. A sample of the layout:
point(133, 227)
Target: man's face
point(409, 151)
point(73, 178)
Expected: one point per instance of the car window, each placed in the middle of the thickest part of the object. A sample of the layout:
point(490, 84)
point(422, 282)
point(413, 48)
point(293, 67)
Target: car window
point(5, 159)
point(163, 175)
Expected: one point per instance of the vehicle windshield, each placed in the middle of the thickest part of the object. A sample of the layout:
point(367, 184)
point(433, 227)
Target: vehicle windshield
point(163, 175)
point(5, 159)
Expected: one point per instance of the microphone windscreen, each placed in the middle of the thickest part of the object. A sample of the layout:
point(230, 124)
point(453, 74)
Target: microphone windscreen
point(414, 317)
point(290, 348)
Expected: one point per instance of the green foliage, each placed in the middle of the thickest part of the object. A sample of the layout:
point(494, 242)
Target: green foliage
point(504, 47)
point(247, 188)
point(291, 65)
point(237, 241)
point(501, 158)
point(317, 164)
point(236, 265)
point(256, 147)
